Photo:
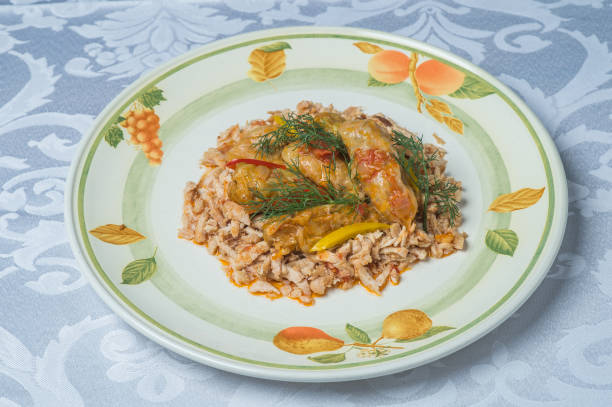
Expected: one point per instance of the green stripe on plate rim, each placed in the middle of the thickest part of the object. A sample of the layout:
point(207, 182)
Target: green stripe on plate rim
point(126, 301)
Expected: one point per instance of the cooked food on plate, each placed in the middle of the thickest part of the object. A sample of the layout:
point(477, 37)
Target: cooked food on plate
point(316, 198)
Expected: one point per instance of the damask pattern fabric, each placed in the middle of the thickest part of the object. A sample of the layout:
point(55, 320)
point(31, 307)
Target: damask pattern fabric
point(62, 62)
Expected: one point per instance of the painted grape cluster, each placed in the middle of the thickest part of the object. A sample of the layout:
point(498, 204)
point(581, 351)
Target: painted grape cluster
point(142, 124)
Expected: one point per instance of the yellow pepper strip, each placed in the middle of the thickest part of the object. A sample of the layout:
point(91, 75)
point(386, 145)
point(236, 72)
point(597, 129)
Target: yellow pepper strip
point(345, 233)
point(278, 120)
point(412, 180)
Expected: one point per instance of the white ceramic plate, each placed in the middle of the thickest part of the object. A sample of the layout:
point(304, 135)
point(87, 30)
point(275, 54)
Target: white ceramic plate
point(495, 146)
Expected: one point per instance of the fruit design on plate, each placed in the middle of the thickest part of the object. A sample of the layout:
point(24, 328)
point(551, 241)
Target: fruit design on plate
point(436, 78)
point(303, 340)
point(142, 124)
point(408, 325)
point(389, 67)
point(430, 78)
point(505, 241)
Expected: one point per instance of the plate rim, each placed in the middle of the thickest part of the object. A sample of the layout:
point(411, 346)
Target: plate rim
point(479, 327)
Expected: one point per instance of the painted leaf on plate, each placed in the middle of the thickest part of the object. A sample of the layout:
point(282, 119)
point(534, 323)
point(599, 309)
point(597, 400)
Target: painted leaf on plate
point(113, 136)
point(266, 65)
point(521, 199)
point(116, 234)
point(328, 358)
point(434, 330)
point(434, 113)
point(151, 97)
point(139, 271)
point(454, 124)
point(473, 88)
point(275, 46)
point(502, 241)
point(440, 106)
point(357, 334)
point(374, 82)
point(368, 48)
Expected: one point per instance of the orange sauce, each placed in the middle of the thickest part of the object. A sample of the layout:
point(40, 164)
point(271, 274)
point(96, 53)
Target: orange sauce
point(444, 237)
point(367, 289)
point(399, 272)
point(448, 254)
point(384, 284)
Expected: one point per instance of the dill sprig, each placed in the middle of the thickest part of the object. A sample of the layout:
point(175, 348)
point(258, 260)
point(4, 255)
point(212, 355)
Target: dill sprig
point(415, 164)
point(293, 192)
point(304, 131)
point(443, 194)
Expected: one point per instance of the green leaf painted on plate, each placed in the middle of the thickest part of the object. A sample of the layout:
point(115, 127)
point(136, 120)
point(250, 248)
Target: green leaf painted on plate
point(374, 82)
point(434, 330)
point(139, 271)
point(113, 136)
point(502, 241)
point(275, 46)
point(473, 88)
point(151, 97)
point(357, 334)
point(328, 358)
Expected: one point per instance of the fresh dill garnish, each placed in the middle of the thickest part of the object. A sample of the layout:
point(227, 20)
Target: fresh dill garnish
point(291, 191)
point(304, 131)
point(415, 163)
point(443, 194)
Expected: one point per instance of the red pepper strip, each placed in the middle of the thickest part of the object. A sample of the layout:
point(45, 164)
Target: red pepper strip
point(232, 163)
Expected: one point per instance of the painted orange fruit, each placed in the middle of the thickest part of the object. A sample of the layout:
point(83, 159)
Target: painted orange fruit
point(303, 340)
point(389, 66)
point(436, 78)
point(406, 324)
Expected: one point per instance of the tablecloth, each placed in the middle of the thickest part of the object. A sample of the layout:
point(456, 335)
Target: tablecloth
point(62, 62)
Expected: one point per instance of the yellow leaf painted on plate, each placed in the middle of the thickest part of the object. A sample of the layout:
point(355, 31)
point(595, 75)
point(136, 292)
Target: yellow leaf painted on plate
point(116, 234)
point(440, 106)
point(266, 65)
point(434, 113)
point(521, 199)
point(367, 48)
point(454, 124)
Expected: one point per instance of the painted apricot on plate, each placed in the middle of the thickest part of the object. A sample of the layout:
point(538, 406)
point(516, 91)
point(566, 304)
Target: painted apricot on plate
point(303, 340)
point(436, 78)
point(406, 324)
point(389, 66)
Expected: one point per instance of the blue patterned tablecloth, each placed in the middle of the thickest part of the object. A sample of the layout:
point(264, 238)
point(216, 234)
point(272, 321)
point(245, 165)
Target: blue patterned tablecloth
point(62, 62)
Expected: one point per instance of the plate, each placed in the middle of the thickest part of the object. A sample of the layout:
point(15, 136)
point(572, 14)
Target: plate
point(172, 291)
